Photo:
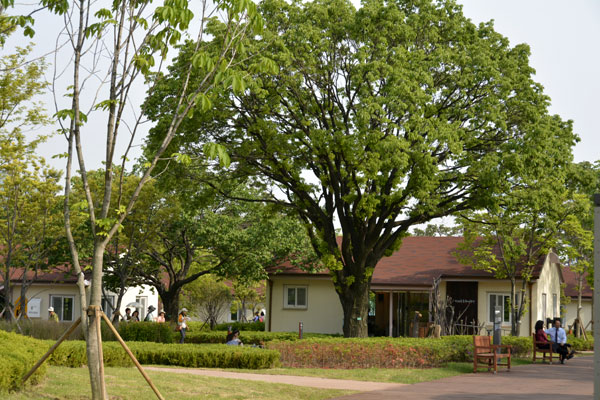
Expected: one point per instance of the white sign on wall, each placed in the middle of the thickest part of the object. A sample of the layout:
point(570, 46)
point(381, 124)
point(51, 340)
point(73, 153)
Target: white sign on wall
point(33, 307)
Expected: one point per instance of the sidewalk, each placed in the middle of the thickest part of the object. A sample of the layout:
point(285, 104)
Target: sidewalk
point(573, 380)
point(321, 383)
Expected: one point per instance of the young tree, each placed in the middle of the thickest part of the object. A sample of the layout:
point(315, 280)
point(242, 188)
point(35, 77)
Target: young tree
point(28, 188)
point(520, 225)
point(208, 298)
point(134, 37)
point(378, 119)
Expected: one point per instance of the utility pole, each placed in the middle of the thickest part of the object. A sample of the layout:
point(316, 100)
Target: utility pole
point(596, 316)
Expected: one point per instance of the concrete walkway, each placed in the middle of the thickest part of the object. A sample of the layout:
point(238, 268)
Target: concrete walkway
point(574, 381)
point(309, 381)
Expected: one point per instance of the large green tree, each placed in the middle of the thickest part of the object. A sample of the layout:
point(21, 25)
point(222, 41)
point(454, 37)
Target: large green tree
point(376, 119)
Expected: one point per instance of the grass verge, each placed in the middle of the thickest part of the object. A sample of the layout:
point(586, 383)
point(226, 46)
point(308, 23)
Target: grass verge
point(127, 383)
point(391, 375)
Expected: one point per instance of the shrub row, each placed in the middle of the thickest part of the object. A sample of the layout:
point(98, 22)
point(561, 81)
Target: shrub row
point(382, 352)
point(18, 355)
point(73, 354)
point(241, 326)
point(249, 337)
point(146, 332)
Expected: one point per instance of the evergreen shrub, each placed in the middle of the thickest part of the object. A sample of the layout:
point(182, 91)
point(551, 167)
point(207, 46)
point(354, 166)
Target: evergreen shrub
point(18, 355)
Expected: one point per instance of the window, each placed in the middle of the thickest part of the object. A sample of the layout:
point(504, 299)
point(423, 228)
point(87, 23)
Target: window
point(295, 297)
point(555, 305)
point(143, 301)
point(502, 300)
point(544, 314)
point(108, 303)
point(63, 307)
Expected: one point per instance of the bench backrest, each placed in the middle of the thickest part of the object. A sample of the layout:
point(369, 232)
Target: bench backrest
point(482, 344)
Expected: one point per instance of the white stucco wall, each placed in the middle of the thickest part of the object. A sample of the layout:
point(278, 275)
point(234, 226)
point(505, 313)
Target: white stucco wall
point(323, 313)
point(549, 284)
point(43, 292)
point(586, 311)
point(143, 291)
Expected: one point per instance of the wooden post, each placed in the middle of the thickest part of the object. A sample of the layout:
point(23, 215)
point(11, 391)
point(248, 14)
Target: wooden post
point(596, 316)
point(135, 361)
point(96, 312)
point(49, 352)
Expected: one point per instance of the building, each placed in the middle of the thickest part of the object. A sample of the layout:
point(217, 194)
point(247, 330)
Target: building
point(571, 291)
point(401, 285)
point(57, 288)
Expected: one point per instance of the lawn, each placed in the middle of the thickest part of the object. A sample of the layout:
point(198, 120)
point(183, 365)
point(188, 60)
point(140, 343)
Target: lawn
point(398, 375)
point(127, 383)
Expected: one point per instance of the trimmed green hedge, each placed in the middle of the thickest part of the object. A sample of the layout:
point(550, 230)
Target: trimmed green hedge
point(241, 326)
point(17, 355)
point(250, 337)
point(73, 354)
point(147, 332)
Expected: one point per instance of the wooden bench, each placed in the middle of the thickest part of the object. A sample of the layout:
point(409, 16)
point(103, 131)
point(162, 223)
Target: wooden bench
point(536, 349)
point(483, 349)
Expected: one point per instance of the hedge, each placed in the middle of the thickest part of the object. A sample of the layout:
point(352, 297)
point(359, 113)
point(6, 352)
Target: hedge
point(18, 355)
point(73, 354)
point(146, 332)
point(241, 326)
point(249, 337)
point(383, 352)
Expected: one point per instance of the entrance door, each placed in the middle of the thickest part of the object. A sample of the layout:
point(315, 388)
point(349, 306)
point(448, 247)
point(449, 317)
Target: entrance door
point(464, 300)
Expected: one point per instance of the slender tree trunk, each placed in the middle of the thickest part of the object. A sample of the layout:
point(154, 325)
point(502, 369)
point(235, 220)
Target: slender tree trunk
point(579, 290)
point(514, 311)
point(7, 291)
point(355, 303)
point(93, 350)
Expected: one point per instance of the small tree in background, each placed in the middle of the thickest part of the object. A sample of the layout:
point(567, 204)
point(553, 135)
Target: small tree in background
point(208, 298)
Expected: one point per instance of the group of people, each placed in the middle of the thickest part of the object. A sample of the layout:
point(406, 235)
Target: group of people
point(556, 336)
point(135, 316)
point(259, 317)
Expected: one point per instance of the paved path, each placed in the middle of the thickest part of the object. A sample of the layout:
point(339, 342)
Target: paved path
point(573, 381)
point(322, 383)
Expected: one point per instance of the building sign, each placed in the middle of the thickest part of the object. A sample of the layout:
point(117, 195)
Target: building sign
point(34, 308)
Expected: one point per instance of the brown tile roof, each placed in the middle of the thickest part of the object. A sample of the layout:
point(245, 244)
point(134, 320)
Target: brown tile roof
point(57, 274)
point(418, 262)
point(571, 281)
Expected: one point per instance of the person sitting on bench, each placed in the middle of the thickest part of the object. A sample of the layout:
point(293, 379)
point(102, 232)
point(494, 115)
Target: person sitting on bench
point(560, 345)
point(540, 336)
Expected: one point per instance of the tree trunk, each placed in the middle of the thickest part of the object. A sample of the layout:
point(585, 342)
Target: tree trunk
point(93, 350)
point(514, 311)
point(355, 303)
point(7, 296)
point(170, 301)
point(578, 323)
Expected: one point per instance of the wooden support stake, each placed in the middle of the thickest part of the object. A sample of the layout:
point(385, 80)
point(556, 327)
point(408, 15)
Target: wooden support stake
point(135, 361)
point(49, 352)
point(97, 318)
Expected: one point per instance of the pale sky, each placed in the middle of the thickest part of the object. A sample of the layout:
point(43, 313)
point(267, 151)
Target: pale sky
point(563, 36)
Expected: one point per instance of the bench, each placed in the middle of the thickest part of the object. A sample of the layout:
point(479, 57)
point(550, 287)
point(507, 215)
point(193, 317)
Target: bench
point(536, 349)
point(484, 350)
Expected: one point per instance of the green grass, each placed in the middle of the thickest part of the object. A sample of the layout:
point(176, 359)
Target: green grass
point(127, 383)
point(399, 375)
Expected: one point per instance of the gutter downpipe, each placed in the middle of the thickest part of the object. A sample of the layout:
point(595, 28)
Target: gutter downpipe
point(269, 315)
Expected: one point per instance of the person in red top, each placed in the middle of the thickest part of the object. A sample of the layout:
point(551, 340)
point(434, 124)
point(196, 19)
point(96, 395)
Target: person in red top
point(540, 335)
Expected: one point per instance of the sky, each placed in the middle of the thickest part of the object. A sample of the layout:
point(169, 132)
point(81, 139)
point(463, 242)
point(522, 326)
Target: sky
point(565, 51)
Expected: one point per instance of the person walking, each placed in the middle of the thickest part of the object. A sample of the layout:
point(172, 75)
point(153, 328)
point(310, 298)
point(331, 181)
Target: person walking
point(182, 320)
point(52, 316)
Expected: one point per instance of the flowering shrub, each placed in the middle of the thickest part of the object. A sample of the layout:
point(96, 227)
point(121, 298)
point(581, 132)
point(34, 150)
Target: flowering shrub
point(382, 352)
